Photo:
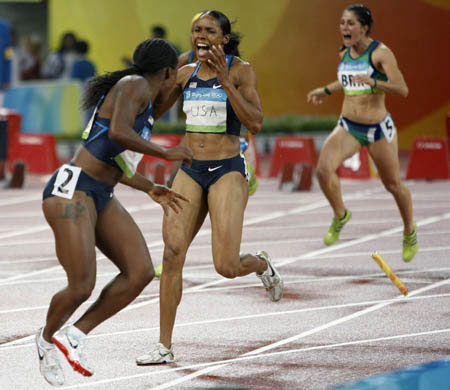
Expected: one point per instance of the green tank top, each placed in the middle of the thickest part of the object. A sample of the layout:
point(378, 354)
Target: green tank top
point(350, 67)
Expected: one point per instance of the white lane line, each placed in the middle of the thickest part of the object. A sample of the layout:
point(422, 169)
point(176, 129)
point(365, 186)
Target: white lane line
point(369, 237)
point(300, 335)
point(247, 222)
point(20, 199)
point(13, 344)
point(304, 280)
point(21, 232)
point(308, 255)
point(385, 251)
point(223, 363)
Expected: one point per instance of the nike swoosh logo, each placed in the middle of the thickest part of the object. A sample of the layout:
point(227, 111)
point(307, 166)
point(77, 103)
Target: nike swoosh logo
point(41, 357)
point(70, 342)
point(213, 169)
point(217, 86)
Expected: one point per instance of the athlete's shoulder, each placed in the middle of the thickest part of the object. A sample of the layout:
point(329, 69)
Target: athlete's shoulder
point(184, 74)
point(133, 80)
point(382, 50)
point(133, 85)
point(239, 61)
point(238, 65)
point(188, 67)
point(342, 50)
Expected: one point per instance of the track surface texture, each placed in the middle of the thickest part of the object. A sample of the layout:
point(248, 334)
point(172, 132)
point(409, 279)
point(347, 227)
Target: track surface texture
point(341, 319)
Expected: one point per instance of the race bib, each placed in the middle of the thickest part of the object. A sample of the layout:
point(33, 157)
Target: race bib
point(66, 181)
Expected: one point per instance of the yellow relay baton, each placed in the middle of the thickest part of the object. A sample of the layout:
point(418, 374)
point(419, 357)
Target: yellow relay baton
point(391, 274)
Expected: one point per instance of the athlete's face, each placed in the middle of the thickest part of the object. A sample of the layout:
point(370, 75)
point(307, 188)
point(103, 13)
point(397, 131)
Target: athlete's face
point(206, 32)
point(351, 29)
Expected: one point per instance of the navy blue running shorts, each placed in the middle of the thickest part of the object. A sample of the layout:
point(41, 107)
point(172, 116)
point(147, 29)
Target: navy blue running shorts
point(207, 172)
point(100, 193)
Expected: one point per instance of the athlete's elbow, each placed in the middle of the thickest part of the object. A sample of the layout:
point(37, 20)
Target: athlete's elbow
point(115, 136)
point(255, 126)
point(405, 91)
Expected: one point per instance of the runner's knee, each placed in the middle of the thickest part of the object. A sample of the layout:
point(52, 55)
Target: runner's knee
point(142, 276)
point(323, 171)
point(393, 186)
point(173, 258)
point(227, 270)
point(82, 290)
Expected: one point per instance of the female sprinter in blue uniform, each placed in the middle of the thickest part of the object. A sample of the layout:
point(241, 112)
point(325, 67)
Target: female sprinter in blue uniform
point(367, 71)
point(220, 94)
point(80, 206)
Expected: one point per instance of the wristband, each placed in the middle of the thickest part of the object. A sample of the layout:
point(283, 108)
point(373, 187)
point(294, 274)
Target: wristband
point(326, 90)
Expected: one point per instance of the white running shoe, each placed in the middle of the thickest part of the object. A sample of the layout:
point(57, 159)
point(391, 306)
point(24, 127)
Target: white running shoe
point(271, 279)
point(49, 364)
point(158, 355)
point(73, 351)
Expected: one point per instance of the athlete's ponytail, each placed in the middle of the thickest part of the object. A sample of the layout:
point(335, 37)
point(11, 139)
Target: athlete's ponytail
point(150, 56)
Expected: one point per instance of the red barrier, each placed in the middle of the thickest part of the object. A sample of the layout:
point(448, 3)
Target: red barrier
point(292, 149)
point(448, 130)
point(148, 163)
point(37, 151)
point(429, 159)
point(359, 166)
point(295, 177)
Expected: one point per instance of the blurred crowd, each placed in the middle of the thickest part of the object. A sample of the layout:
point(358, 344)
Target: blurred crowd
point(23, 60)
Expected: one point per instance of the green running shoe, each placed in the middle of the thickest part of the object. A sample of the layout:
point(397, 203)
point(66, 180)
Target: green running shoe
point(335, 229)
point(158, 270)
point(252, 183)
point(410, 245)
point(253, 180)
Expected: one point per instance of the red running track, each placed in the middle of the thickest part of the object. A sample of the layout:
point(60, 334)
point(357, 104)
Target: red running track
point(340, 319)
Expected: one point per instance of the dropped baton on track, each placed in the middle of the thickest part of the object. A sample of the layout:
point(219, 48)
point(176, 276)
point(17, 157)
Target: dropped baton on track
point(391, 274)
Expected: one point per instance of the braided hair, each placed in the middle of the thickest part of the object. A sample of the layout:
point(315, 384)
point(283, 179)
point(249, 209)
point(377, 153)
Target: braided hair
point(150, 56)
point(235, 38)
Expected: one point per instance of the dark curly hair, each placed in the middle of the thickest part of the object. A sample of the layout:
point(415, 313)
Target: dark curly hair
point(150, 56)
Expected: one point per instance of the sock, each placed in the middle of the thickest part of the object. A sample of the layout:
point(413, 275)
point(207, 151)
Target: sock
point(43, 342)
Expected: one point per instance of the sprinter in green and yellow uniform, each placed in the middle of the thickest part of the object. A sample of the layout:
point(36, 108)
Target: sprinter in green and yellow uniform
point(368, 70)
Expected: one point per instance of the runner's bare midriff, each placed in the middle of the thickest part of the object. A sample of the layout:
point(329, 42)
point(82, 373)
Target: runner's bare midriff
point(212, 146)
point(367, 109)
point(96, 168)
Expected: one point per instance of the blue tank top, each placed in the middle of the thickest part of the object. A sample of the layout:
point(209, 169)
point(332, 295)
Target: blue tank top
point(207, 107)
point(95, 139)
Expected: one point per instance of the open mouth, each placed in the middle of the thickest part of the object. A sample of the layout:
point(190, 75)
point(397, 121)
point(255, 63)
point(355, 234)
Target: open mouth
point(347, 36)
point(202, 49)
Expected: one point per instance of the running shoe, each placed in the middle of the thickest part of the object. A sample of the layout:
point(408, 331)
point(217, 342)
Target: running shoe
point(335, 229)
point(158, 270)
point(49, 364)
point(270, 278)
point(410, 245)
point(72, 349)
point(158, 355)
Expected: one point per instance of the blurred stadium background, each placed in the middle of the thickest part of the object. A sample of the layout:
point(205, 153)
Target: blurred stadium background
point(292, 44)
